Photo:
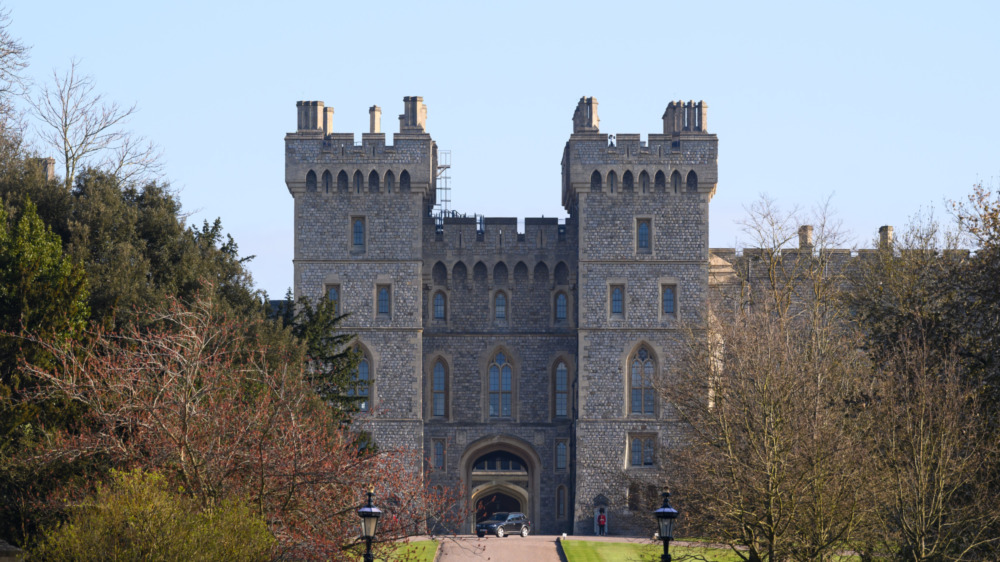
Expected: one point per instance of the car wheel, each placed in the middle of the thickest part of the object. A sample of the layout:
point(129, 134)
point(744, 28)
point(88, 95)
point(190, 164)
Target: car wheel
point(499, 532)
point(524, 531)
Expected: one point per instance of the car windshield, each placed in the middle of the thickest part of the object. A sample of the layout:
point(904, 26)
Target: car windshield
point(502, 516)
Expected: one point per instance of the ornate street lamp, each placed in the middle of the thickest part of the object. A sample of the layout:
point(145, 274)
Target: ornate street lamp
point(666, 516)
point(369, 515)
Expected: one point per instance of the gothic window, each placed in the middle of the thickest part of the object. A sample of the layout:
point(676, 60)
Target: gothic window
point(642, 451)
point(439, 390)
point(617, 300)
point(362, 383)
point(438, 454)
point(627, 182)
point(612, 181)
point(500, 306)
point(641, 372)
point(327, 181)
point(390, 181)
point(561, 306)
point(342, 181)
point(439, 306)
point(669, 295)
point(373, 182)
point(501, 382)
point(562, 455)
point(660, 181)
point(358, 234)
point(404, 181)
point(675, 181)
point(642, 236)
point(311, 181)
point(384, 300)
point(692, 181)
point(561, 394)
point(358, 179)
point(644, 181)
point(595, 181)
point(333, 295)
point(499, 461)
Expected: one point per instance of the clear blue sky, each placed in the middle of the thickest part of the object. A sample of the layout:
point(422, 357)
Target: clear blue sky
point(890, 107)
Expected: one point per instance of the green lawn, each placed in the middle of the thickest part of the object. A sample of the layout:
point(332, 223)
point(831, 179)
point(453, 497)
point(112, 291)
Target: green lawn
point(593, 551)
point(416, 551)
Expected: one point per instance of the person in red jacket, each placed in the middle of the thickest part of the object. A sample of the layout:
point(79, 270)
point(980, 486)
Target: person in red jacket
point(602, 521)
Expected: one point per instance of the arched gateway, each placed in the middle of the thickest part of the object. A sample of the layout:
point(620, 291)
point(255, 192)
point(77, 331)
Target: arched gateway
point(500, 473)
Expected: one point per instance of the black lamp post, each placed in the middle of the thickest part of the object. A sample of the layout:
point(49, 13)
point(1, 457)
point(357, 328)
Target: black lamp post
point(369, 515)
point(666, 516)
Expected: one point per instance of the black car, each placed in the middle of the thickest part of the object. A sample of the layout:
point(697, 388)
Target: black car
point(503, 523)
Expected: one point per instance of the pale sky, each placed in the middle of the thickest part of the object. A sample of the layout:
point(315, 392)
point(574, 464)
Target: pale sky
point(891, 108)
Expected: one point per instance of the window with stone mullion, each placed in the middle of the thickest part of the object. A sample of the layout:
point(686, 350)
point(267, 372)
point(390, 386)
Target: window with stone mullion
point(439, 390)
point(501, 377)
point(562, 390)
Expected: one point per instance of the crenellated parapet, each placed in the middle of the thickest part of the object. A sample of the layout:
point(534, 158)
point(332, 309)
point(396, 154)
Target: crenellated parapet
point(493, 235)
point(318, 160)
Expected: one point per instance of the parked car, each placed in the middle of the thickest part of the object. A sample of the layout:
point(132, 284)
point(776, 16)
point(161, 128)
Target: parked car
point(503, 523)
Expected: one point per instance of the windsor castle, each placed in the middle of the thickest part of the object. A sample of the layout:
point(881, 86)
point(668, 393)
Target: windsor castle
point(520, 360)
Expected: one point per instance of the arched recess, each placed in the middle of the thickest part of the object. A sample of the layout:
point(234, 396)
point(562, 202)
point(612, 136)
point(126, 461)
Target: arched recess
point(480, 486)
point(373, 182)
point(692, 181)
point(390, 182)
point(562, 273)
point(311, 181)
point(479, 274)
point(358, 180)
point(541, 276)
point(595, 181)
point(612, 181)
point(404, 181)
point(500, 273)
point(644, 181)
point(675, 181)
point(628, 182)
point(327, 181)
point(660, 181)
point(520, 274)
point(439, 274)
point(342, 186)
point(459, 274)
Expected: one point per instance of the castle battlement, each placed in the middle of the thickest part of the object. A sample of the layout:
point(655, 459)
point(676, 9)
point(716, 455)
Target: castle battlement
point(489, 235)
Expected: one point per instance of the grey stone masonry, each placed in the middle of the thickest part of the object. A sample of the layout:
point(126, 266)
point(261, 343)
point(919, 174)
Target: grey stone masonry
point(503, 351)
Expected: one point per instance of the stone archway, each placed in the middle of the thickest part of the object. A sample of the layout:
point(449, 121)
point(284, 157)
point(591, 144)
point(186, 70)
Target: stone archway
point(500, 473)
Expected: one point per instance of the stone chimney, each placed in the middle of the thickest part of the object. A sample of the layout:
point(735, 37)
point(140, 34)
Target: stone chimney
point(805, 237)
point(885, 237)
point(312, 117)
point(374, 119)
point(414, 117)
point(585, 118)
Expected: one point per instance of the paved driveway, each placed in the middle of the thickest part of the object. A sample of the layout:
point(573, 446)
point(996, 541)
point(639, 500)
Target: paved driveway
point(533, 548)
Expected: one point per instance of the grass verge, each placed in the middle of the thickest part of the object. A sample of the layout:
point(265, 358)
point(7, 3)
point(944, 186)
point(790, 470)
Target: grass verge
point(594, 551)
point(416, 551)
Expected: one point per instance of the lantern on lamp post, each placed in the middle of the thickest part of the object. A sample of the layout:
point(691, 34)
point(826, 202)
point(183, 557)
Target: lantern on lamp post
point(369, 515)
point(665, 517)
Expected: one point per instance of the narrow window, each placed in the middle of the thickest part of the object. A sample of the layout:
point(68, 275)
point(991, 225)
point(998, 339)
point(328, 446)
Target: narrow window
point(311, 181)
point(641, 373)
point(669, 299)
point(501, 376)
point(660, 181)
point(390, 181)
point(342, 181)
point(642, 452)
point(595, 181)
point(642, 241)
point(636, 450)
point(362, 380)
point(333, 295)
point(562, 390)
point(561, 502)
point(373, 182)
point(438, 390)
point(358, 234)
point(357, 181)
point(617, 300)
point(383, 300)
point(404, 181)
point(647, 452)
point(438, 454)
point(439, 306)
point(692, 181)
point(612, 181)
point(327, 181)
point(562, 455)
point(561, 307)
point(500, 306)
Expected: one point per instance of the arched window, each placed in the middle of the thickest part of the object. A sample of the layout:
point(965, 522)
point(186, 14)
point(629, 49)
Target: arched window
point(404, 181)
point(595, 181)
point(358, 229)
point(357, 181)
point(327, 181)
point(383, 300)
point(362, 384)
point(333, 295)
point(612, 181)
point(675, 181)
point(692, 182)
point(373, 182)
point(439, 390)
point(644, 181)
point(641, 372)
point(311, 181)
point(628, 184)
point(617, 300)
point(501, 381)
point(390, 181)
point(561, 302)
point(561, 394)
point(439, 303)
point(342, 181)
point(500, 306)
point(660, 181)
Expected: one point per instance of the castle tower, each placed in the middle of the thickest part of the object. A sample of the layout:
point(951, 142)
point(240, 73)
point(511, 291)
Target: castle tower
point(359, 211)
point(643, 260)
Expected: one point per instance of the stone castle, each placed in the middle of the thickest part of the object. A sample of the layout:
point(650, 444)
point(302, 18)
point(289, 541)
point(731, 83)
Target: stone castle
point(521, 361)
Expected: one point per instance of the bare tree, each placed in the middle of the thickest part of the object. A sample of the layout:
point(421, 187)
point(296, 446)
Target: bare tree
point(88, 130)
